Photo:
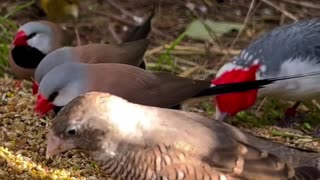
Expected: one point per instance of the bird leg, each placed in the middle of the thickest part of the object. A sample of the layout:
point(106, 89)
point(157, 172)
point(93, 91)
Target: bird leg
point(289, 116)
point(18, 84)
point(292, 110)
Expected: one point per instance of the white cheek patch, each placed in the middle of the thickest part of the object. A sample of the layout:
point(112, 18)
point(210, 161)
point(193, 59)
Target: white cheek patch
point(295, 89)
point(68, 93)
point(42, 42)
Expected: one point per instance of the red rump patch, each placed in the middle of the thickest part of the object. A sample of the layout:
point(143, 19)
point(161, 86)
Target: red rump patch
point(232, 103)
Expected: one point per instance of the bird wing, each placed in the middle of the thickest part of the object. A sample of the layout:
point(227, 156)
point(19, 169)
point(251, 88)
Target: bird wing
point(143, 87)
point(125, 53)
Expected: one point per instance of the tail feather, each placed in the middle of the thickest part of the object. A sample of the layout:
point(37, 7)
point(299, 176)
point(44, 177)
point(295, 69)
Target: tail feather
point(307, 173)
point(140, 32)
point(249, 85)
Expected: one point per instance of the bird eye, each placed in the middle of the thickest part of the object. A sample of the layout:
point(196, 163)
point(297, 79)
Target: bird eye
point(53, 96)
point(31, 35)
point(71, 131)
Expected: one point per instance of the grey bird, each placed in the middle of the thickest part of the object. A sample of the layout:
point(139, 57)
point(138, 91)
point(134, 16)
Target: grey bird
point(32, 42)
point(130, 51)
point(132, 141)
point(67, 81)
point(287, 50)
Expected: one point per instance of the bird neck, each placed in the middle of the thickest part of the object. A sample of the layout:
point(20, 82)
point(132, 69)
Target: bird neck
point(129, 119)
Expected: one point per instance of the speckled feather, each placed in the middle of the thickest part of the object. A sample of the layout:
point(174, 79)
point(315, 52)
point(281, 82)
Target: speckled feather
point(297, 40)
point(132, 140)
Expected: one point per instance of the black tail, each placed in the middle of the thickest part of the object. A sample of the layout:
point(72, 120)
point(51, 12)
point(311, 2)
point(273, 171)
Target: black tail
point(307, 173)
point(140, 32)
point(248, 85)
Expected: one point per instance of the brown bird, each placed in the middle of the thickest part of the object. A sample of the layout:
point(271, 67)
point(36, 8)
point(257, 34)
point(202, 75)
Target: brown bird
point(69, 80)
point(132, 141)
point(131, 51)
point(33, 41)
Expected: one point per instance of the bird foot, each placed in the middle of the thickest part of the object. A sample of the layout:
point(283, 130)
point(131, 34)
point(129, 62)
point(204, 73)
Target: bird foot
point(290, 112)
point(316, 132)
point(290, 120)
point(18, 84)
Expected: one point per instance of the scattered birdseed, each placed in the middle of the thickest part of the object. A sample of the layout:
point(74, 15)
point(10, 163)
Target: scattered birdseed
point(22, 141)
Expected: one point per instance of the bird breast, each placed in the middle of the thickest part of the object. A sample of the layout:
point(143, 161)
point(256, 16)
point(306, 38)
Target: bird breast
point(294, 89)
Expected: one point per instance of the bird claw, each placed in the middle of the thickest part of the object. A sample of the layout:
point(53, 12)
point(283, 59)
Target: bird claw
point(316, 132)
point(287, 122)
point(290, 121)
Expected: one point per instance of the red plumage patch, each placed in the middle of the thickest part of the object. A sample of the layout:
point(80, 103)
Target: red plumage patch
point(20, 39)
point(232, 103)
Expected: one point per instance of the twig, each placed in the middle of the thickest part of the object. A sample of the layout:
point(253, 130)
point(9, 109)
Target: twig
point(315, 102)
point(286, 134)
point(244, 24)
point(123, 11)
point(282, 10)
point(189, 71)
point(117, 18)
point(113, 33)
point(210, 31)
point(160, 33)
point(192, 49)
point(260, 105)
point(303, 3)
point(76, 31)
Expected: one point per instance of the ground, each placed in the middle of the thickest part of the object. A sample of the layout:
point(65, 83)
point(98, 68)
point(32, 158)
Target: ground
point(22, 134)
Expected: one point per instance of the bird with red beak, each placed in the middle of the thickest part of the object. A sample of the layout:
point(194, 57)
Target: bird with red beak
point(32, 42)
point(130, 51)
point(287, 50)
point(69, 80)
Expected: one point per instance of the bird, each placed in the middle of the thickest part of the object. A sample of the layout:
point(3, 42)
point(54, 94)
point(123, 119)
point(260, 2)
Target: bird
point(58, 10)
point(130, 51)
point(133, 141)
point(69, 80)
point(32, 42)
point(286, 50)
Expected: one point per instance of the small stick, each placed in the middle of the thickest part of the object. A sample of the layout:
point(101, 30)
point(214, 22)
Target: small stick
point(282, 10)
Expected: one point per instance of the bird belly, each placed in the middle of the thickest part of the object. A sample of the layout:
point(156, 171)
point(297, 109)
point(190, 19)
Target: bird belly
point(295, 89)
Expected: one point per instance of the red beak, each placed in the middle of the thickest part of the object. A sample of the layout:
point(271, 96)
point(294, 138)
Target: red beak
point(20, 39)
point(35, 87)
point(43, 106)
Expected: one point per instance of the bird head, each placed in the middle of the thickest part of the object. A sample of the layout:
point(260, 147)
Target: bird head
point(88, 122)
point(35, 34)
point(31, 43)
point(62, 84)
point(232, 103)
point(53, 59)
